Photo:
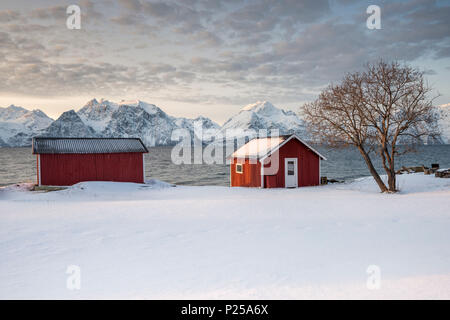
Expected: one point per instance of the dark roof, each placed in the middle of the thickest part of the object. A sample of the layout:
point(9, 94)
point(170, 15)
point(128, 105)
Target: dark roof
point(43, 145)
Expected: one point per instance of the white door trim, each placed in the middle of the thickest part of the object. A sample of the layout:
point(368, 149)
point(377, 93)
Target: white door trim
point(286, 172)
point(262, 175)
point(39, 170)
point(320, 171)
point(143, 167)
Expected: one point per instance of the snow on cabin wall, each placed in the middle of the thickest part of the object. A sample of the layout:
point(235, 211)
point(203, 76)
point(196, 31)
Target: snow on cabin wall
point(68, 169)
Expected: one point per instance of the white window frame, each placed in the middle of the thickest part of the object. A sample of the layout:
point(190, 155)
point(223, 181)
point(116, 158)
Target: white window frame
point(242, 168)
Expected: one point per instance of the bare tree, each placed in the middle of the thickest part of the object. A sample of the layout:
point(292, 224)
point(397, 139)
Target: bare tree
point(375, 110)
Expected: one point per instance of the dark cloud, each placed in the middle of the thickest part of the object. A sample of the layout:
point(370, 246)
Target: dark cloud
point(206, 38)
point(26, 28)
point(89, 11)
point(249, 20)
point(442, 52)
point(134, 5)
point(54, 12)
point(126, 20)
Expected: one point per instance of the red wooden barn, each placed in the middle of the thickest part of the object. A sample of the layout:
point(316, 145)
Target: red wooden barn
point(66, 161)
point(275, 162)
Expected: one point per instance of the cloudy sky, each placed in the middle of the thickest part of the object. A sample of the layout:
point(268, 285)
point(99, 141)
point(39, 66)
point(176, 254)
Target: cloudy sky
point(208, 57)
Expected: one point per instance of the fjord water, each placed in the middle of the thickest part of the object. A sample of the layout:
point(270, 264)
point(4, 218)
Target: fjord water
point(19, 165)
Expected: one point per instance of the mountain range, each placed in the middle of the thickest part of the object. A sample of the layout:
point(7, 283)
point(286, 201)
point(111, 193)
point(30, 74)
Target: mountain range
point(140, 119)
point(19, 125)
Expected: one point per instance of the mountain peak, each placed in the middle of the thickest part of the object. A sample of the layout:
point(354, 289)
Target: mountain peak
point(14, 108)
point(19, 125)
point(263, 115)
point(69, 124)
point(147, 107)
point(258, 106)
point(15, 113)
point(132, 103)
point(91, 103)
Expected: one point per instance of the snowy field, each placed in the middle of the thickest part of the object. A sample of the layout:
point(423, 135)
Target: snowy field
point(156, 241)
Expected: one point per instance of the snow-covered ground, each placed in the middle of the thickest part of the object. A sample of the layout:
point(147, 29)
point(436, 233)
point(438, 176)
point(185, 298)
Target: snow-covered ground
point(157, 241)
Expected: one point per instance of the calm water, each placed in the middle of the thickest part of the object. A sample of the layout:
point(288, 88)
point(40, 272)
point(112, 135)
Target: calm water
point(19, 165)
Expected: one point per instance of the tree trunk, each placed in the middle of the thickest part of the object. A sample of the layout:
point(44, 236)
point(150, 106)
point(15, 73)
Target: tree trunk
point(372, 170)
point(392, 181)
point(390, 171)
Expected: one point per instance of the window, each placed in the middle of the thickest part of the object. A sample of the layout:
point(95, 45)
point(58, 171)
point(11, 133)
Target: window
point(239, 168)
point(291, 170)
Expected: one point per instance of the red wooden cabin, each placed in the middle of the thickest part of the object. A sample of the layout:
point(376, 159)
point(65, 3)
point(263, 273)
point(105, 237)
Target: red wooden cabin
point(66, 161)
point(275, 162)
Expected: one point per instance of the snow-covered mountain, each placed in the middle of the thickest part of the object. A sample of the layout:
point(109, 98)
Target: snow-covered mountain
point(97, 114)
point(442, 114)
point(102, 118)
point(209, 128)
point(140, 119)
point(137, 118)
point(69, 124)
point(19, 125)
point(263, 115)
point(444, 122)
point(133, 118)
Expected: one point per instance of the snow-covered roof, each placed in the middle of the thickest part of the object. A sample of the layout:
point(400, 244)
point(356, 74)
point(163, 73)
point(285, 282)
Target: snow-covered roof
point(43, 145)
point(258, 147)
point(261, 148)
